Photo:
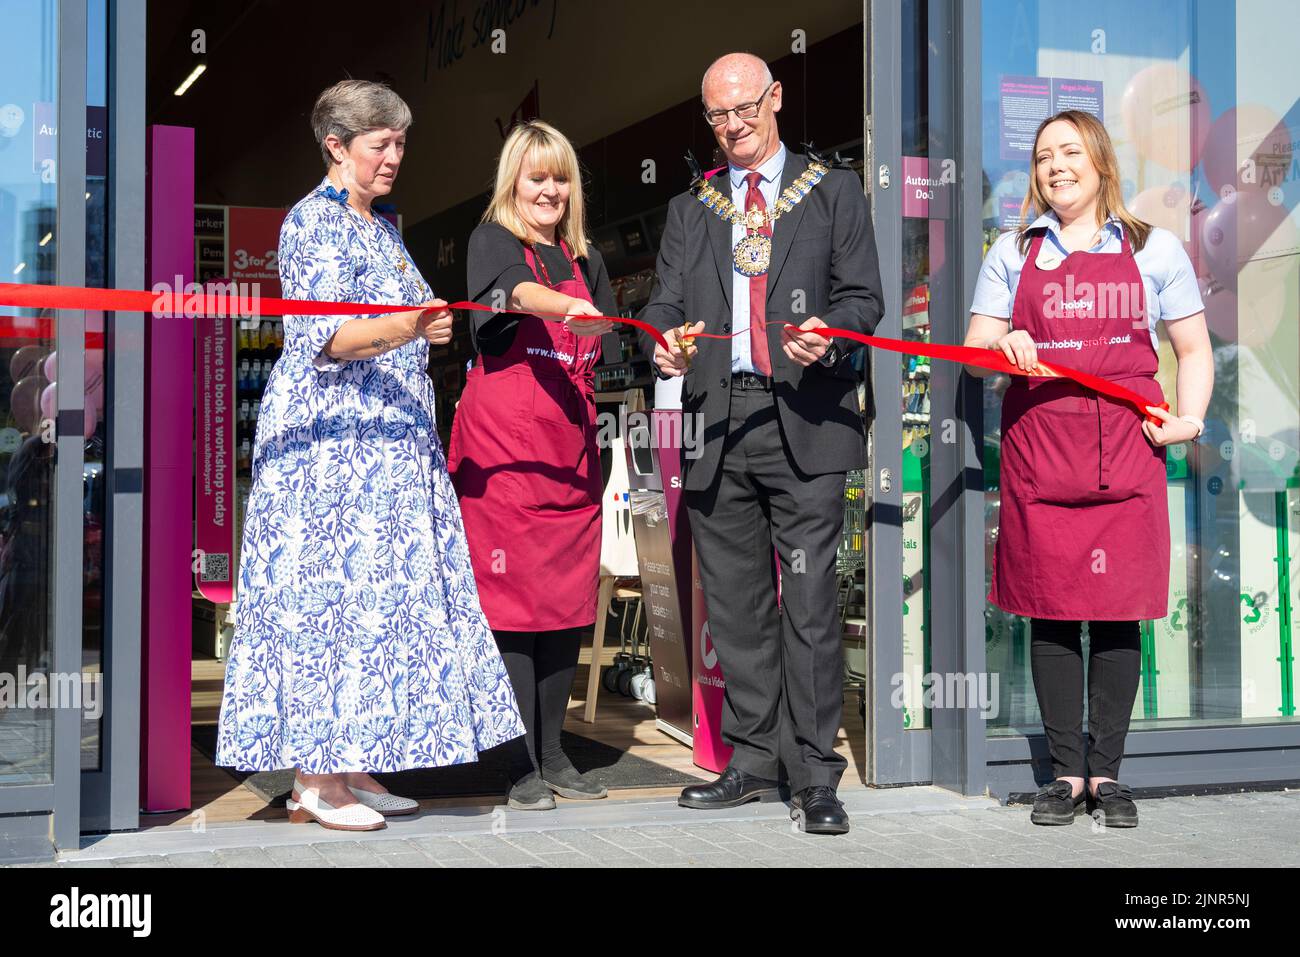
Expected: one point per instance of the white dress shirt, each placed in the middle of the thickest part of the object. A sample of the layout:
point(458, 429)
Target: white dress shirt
point(770, 187)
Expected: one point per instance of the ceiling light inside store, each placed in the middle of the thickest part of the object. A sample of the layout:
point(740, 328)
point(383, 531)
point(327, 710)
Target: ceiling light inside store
point(48, 237)
point(19, 268)
point(189, 80)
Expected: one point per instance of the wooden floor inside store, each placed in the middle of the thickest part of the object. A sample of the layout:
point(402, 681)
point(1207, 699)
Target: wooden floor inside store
point(621, 722)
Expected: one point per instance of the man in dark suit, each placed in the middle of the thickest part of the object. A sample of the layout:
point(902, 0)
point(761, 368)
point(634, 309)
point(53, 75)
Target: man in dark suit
point(782, 425)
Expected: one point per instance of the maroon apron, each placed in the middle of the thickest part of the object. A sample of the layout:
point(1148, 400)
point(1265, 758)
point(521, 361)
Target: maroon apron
point(1084, 529)
point(524, 462)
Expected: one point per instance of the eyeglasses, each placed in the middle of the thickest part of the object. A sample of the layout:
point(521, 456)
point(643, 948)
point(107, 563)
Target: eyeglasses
point(744, 111)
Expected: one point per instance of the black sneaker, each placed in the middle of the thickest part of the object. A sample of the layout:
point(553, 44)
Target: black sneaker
point(530, 793)
point(1054, 804)
point(1113, 806)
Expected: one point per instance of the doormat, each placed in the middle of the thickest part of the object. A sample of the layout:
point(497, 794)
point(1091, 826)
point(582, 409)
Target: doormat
point(487, 777)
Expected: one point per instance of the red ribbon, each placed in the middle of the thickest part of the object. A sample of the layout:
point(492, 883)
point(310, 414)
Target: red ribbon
point(986, 359)
point(213, 303)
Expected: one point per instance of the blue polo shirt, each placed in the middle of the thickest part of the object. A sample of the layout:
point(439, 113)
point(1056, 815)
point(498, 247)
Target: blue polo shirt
point(1168, 278)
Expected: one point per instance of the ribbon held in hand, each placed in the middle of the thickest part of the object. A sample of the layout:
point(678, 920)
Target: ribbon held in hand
point(985, 359)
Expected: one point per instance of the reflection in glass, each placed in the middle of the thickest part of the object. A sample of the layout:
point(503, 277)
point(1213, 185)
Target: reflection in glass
point(1203, 104)
point(97, 183)
point(28, 45)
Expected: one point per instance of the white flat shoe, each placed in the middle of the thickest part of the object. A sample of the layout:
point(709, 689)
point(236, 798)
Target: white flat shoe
point(389, 805)
point(306, 806)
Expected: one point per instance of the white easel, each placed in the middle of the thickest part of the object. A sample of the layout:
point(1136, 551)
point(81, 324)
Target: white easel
point(617, 547)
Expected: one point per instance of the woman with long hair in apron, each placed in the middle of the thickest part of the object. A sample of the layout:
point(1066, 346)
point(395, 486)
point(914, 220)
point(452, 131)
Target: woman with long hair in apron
point(523, 443)
point(1084, 530)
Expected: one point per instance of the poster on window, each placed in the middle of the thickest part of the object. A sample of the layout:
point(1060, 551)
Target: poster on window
point(1025, 101)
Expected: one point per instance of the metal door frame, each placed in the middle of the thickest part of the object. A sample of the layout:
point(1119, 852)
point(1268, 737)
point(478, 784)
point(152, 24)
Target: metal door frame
point(110, 796)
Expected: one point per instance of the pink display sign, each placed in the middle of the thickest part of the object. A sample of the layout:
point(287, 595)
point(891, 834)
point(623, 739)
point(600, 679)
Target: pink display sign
point(214, 466)
point(924, 189)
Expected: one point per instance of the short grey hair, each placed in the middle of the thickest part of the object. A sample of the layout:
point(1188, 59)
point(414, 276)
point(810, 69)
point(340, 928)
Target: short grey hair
point(351, 107)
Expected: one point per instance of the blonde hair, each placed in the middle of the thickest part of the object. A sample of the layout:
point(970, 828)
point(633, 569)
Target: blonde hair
point(546, 148)
point(1110, 198)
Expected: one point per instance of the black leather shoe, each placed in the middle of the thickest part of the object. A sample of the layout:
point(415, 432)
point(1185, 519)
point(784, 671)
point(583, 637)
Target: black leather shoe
point(732, 789)
point(1113, 806)
point(819, 811)
point(1054, 805)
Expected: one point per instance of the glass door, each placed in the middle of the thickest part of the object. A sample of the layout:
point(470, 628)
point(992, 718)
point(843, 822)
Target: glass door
point(29, 253)
point(931, 689)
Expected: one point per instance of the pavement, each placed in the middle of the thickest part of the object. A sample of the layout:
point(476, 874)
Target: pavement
point(899, 827)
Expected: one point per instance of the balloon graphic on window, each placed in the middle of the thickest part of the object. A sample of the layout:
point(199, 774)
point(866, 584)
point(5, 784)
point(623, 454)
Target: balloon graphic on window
point(1220, 308)
point(1264, 299)
point(1167, 116)
point(1237, 229)
point(93, 402)
point(1249, 145)
point(26, 361)
point(1175, 209)
point(25, 402)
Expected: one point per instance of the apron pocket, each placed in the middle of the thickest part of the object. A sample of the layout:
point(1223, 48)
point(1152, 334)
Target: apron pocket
point(1063, 452)
point(1132, 465)
point(555, 470)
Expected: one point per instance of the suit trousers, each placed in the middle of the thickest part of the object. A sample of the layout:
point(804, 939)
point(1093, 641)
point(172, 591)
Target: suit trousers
point(784, 668)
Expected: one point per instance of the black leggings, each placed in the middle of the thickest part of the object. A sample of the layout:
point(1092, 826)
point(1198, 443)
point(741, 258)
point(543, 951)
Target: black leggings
point(1114, 670)
point(541, 666)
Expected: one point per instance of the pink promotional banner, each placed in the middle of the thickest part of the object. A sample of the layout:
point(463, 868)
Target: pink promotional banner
point(214, 466)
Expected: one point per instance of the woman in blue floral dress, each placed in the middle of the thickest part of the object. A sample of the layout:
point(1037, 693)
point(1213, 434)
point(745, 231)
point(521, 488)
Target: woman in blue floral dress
point(360, 645)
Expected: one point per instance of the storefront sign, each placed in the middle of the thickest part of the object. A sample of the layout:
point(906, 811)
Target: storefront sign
point(214, 470)
point(916, 307)
point(1025, 101)
point(251, 256)
point(925, 181)
point(45, 139)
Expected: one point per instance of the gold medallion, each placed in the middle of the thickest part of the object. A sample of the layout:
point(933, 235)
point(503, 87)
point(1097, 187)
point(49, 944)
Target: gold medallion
point(753, 255)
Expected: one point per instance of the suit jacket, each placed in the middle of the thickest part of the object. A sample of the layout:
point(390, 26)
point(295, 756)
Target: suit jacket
point(825, 250)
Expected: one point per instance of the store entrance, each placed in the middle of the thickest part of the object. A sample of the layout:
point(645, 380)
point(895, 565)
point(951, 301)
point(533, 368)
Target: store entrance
point(635, 718)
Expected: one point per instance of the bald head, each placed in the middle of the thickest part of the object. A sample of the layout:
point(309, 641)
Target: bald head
point(735, 69)
point(742, 81)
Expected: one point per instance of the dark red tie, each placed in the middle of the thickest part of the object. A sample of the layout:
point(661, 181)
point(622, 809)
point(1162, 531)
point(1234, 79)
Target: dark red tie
point(758, 290)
